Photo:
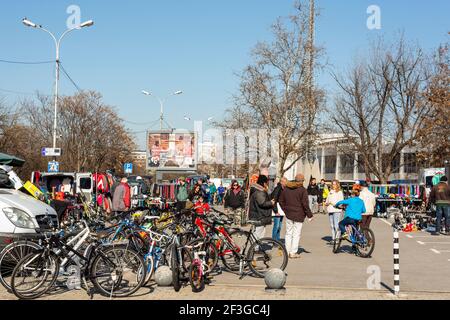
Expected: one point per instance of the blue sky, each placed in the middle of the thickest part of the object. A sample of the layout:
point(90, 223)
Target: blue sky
point(190, 45)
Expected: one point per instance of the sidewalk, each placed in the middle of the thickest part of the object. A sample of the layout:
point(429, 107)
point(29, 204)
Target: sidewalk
point(228, 292)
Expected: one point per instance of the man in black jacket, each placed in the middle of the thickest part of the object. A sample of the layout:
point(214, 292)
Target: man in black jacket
point(279, 214)
point(235, 202)
point(260, 206)
point(313, 195)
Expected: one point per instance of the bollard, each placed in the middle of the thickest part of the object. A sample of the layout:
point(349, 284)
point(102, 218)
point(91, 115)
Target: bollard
point(396, 263)
point(275, 280)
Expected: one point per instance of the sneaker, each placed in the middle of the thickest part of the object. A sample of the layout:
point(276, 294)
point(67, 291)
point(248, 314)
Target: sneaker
point(294, 255)
point(344, 236)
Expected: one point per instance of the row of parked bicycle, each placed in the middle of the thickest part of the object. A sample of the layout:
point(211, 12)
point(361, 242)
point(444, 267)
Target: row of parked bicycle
point(115, 257)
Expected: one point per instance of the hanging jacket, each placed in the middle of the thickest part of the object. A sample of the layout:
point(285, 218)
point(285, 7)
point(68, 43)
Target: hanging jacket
point(122, 197)
point(260, 206)
point(182, 193)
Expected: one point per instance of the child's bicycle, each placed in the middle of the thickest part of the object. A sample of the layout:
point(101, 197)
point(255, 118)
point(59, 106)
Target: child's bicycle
point(362, 240)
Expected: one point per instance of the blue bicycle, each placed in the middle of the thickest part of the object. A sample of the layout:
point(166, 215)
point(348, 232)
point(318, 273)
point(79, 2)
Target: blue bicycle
point(362, 240)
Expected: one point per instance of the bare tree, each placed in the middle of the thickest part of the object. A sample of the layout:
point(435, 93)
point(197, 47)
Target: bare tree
point(380, 106)
point(435, 133)
point(90, 133)
point(275, 91)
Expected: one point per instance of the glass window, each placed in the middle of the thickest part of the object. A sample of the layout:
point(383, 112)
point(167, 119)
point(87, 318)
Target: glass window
point(346, 164)
point(330, 164)
point(85, 183)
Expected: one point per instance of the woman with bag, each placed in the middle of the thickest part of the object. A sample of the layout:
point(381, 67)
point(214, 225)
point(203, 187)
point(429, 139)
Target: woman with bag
point(260, 206)
point(335, 195)
point(278, 213)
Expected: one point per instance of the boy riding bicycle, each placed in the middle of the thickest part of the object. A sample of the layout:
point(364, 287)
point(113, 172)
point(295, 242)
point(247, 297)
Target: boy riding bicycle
point(353, 212)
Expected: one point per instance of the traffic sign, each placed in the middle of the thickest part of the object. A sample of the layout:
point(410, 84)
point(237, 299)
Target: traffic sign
point(51, 152)
point(128, 168)
point(53, 166)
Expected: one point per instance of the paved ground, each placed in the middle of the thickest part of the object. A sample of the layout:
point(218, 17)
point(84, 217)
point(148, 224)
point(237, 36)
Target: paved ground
point(320, 274)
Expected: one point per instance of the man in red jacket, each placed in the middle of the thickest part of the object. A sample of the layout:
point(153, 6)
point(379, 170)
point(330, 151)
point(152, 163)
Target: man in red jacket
point(295, 204)
point(122, 196)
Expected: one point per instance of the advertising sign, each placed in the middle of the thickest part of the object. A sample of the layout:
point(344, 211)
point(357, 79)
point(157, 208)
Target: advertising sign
point(171, 150)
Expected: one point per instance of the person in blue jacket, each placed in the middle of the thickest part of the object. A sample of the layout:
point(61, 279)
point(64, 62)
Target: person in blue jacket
point(353, 212)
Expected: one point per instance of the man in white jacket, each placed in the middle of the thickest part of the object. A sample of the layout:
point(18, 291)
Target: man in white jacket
point(370, 201)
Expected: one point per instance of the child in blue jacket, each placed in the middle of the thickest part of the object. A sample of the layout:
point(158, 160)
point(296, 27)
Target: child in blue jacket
point(353, 211)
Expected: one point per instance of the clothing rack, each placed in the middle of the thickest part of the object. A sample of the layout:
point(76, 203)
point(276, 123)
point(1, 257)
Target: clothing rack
point(402, 190)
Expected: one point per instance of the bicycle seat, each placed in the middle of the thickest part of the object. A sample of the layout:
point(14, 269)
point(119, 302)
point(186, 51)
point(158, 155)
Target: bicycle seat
point(151, 217)
point(100, 235)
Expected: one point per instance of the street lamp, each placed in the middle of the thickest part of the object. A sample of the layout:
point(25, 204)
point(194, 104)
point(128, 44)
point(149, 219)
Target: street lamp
point(31, 24)
point(161, 102)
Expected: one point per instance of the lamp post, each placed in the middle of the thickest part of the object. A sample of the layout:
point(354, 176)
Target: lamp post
point(85, 24)
point(161, 103)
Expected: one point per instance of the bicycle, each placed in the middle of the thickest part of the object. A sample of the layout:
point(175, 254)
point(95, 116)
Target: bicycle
point(362, 240)
point(259, 255)
point(107, 267)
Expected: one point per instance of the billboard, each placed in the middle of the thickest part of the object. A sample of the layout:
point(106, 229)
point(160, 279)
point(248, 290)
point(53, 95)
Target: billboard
point(171, 149)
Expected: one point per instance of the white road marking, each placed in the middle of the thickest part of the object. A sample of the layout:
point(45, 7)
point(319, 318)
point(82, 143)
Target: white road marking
point(435, 251)
point(387, 222)
point(434, 242)
point(409, 236)
point(421, 243)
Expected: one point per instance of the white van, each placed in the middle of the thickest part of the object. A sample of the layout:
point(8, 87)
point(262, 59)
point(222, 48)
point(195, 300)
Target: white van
point(21, 214)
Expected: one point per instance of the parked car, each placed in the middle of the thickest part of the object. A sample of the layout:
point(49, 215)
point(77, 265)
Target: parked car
point(20, 214)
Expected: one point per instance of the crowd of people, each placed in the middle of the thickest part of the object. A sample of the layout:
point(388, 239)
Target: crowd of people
point(289, 202)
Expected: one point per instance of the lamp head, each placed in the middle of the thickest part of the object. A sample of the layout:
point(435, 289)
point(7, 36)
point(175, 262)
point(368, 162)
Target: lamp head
point(29, 23)
point(88, 23)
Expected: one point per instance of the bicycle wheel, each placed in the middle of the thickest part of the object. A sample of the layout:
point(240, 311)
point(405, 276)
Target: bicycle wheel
point(174, 265)
point(337, 243)
point(196, 278)
point(265, 254)
point(150, 267)
point(10, 257)
point(118, 271)
point(212, 255)
point(230, 255)
point(365, 243)
point(34, 275)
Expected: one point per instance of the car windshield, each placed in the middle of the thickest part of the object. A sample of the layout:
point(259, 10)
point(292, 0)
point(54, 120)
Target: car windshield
point(5, 183)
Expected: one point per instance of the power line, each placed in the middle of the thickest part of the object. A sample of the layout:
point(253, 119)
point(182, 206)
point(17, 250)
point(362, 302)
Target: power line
point(68, 77)
point(140, 123)
point(26, 62)
point(17, 92)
